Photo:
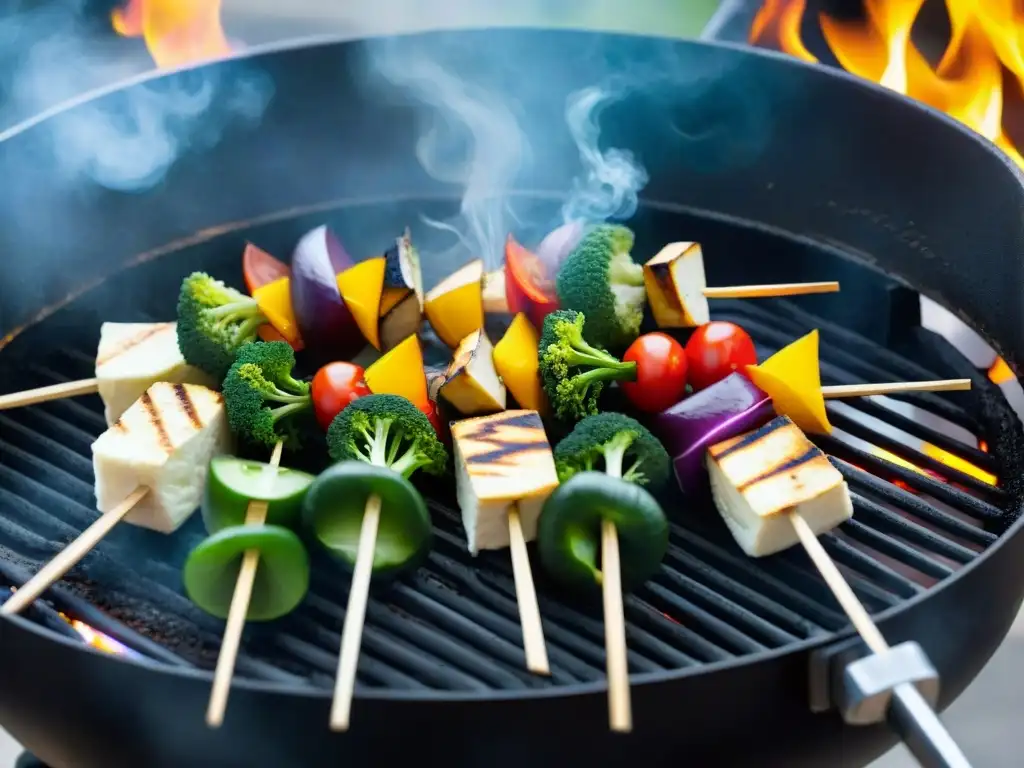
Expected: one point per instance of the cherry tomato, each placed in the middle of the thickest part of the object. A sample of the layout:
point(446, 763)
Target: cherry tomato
point(261, 268)
point(660, 372)
point(527, 285)
point(335, 386)
point(716, 350)
point(431, 410)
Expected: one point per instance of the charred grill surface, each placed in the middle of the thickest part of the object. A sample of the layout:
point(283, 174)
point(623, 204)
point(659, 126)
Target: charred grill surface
point(453, 625)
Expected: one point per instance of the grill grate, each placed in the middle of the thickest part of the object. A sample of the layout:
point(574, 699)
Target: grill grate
point(454, 624)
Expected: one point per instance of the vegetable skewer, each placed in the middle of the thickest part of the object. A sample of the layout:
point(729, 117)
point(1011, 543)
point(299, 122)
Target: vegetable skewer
point(774, 479)
point(256, 514)
point(505, 471)
point(792, 378)
point(678, 292)
point(130, 358)
point(616, 499)
point(378, 442)
point(171, 431)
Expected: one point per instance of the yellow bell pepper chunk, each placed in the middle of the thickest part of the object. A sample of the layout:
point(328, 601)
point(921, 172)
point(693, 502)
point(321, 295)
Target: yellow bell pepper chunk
point(515, 360)
point(275, 302)
point(361, 287)
point(792, 378)
point(400, 372)
point(455, 306)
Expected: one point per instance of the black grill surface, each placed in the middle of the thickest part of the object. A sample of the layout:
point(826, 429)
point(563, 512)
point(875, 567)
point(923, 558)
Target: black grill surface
point(453, 625)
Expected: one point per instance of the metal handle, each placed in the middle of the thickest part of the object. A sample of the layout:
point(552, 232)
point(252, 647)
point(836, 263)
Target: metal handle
point(922, 731)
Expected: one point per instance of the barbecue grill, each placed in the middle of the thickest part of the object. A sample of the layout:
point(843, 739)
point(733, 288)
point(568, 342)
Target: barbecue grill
point(751, 153)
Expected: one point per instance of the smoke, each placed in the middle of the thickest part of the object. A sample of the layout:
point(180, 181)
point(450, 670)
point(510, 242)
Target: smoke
point(469, 137)
point(609, 185)
point(129, 141)
point(475, 137)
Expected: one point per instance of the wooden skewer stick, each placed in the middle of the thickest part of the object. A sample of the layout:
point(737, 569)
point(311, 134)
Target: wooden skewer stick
point(768, 291)
point(526, 596)
point(71, 555)
point(255, 514)
point(620, 708)
point(45, 394)
point(896, 387)
point(355, 616)
point(855, 611)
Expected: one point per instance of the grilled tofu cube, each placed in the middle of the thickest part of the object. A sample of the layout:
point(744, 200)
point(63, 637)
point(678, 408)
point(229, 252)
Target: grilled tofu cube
point(163, 442)
point(501, 460)
point(675, 283)
point(471, 384)
point(134, 356)
point(757, 479)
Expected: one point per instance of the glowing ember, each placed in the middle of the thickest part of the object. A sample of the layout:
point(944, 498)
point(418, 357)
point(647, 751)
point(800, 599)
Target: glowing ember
point(951, 460)
point(97, 639)
point(966, 83)
point(176, 32)
point(1000, 372)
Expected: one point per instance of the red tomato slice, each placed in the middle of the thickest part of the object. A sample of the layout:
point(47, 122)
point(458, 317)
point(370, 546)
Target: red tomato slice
point(261, 268)
point(717, 349)
point(334, 387)
point(660, 372)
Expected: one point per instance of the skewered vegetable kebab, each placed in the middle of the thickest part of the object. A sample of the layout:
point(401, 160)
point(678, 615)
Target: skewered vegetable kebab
point(367, 514)
point(504, 471)
point(266, 406)
point(602, 464)
point(678, 292)
point(131, 358)
point(792, 378)
point(150, 467)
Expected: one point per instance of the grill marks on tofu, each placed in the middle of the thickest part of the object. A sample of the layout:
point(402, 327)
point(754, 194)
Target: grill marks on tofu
point(775, 467)
point(167, 415)
point(138, 334)
point(507, 445)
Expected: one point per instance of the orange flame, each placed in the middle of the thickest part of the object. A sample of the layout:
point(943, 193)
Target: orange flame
point(1000, 372)
point(176, 32)
point(967, 82)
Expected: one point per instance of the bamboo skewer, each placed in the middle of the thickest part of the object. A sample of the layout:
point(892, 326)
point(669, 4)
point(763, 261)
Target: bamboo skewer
point(526, 596)
point(45, 394)
point(620, 709)
point(71, 555)
point(768, 291)
point(855, 611)
point(355, 616)
point(255, 514)
point(896, 387)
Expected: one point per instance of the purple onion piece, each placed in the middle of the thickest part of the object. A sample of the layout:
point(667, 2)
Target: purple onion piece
point(558, 244)
point(328, 328)
point(726, 409)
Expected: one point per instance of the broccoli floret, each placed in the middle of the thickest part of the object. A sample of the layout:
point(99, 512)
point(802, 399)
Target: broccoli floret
point(600, 278)
point(623, 445)
point(262, 397)
point(572, 371)
point(389, 431)
point(213, 322)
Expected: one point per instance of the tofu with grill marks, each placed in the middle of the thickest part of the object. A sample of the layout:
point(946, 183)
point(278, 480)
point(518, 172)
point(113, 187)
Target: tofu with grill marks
point(132, 357)
point(759, 478)
point(675, 283)
point(501, 460)
point(163, 442)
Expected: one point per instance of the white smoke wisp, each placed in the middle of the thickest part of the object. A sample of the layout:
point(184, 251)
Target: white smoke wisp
point(611, 180)
point(470, 138)
point(125, 142)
